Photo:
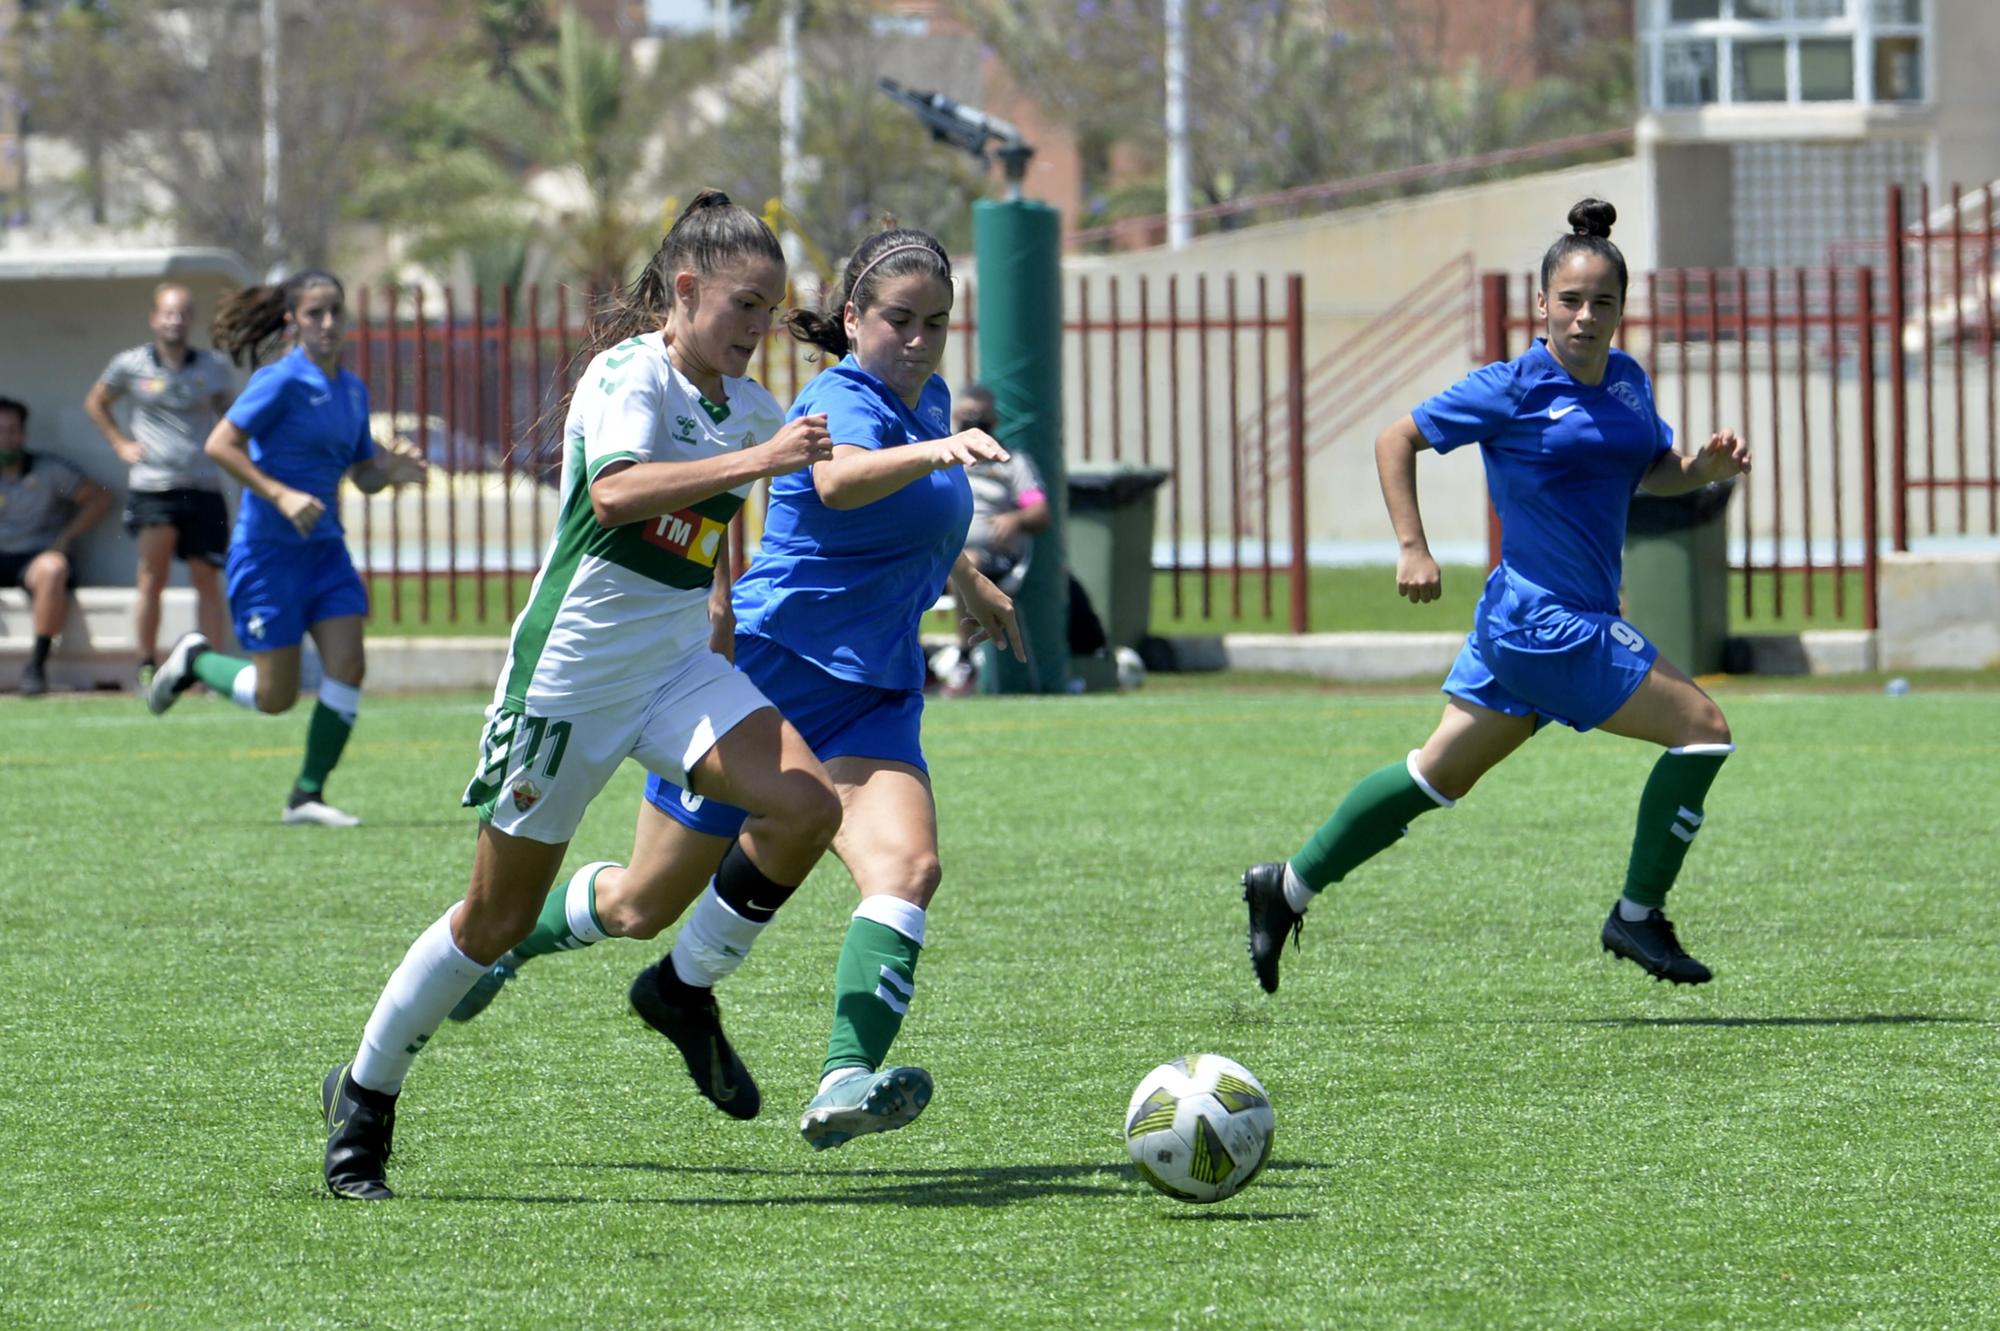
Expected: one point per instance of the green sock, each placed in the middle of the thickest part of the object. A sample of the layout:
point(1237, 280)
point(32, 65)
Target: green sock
point(326, 736)
point(873, 985)
point(1373, 816)
point(1669, 816)
point(219, 672)
point(569, 916)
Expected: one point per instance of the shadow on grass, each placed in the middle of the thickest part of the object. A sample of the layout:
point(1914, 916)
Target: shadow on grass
point(1863, 1019)
point(1223, 1217)
point(1001, 1185)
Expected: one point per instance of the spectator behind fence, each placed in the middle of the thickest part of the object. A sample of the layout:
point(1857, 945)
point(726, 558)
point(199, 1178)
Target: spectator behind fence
point(1010, 507)
point(45, 504)
point(174, 506)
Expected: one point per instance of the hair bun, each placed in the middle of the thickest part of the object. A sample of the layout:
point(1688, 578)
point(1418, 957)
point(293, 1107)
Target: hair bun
point(708, 198)
point(1592, 217)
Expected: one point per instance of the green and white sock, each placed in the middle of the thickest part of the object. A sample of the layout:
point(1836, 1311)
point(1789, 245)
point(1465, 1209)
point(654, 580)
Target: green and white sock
point(1670, 813)
point(1373, 817)
point(230, 676)
point(332, 722)
point(569, 915)
point(874, 982)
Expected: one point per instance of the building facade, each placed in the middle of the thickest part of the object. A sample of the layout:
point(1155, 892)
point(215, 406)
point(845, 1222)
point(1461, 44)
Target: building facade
point(1770, 129)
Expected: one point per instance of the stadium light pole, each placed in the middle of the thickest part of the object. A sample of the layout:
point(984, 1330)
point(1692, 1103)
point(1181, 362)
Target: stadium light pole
point(273, 140)
point(1179, 229)
point(791, 171)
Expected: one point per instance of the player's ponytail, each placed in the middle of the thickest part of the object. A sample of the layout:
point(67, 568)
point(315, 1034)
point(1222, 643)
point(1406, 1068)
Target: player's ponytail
point(897, 252)
point(250, 324)
point(1590, 233)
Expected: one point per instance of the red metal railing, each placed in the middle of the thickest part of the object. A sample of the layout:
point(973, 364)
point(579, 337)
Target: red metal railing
point(1216, 526)
point(480, 395)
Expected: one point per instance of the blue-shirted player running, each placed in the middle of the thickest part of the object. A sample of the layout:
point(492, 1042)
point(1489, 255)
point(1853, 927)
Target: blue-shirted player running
point(854, 552)
point(1568, 432)
point(300, 426)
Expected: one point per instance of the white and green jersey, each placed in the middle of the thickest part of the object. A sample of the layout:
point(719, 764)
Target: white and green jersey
point(613, 610)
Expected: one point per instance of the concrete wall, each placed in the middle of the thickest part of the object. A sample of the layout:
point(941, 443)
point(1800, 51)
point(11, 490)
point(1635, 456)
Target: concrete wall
point(1695, 196)
point(61, 319)
point(1964, 53)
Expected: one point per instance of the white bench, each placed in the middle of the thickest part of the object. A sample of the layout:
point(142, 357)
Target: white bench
point(96, 648)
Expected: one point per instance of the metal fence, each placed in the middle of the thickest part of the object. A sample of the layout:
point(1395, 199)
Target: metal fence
point(1183, 376)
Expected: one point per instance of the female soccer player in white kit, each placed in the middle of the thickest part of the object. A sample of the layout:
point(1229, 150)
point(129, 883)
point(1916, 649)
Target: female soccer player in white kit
point(613, 656)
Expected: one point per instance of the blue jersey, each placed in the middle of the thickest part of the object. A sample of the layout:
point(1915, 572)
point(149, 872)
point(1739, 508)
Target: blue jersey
point(1562, 462)
point(305, 432)
point(847, 589)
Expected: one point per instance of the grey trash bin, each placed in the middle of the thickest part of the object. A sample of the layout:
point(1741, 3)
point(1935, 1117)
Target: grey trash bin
point(1110, 545)
point(1677, 574)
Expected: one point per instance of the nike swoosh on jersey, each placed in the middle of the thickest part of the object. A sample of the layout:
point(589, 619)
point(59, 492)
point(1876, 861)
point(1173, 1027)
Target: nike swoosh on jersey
point(1556, 414)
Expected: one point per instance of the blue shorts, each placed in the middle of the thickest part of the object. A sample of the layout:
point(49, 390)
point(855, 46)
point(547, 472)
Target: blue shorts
point(276, 591)
point(1573, 666)
point(837, 718)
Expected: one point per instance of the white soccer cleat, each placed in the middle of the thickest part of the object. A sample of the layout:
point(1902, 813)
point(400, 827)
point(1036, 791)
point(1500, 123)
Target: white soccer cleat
point(317, 813)
point(176, 674)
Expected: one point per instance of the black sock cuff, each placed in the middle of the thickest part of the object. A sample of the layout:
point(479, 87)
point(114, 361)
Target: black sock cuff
point(669, 985)
point(743, 887)
point(379, 1101)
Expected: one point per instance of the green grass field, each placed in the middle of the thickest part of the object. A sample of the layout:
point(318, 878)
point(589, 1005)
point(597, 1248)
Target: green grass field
point(1483, 1121)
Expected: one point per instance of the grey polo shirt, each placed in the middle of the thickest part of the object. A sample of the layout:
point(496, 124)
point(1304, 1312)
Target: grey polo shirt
point(172, 414)
point(35, 505)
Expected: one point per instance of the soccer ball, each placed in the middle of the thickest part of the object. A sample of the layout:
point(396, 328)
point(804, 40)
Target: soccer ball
point(1199, 1128)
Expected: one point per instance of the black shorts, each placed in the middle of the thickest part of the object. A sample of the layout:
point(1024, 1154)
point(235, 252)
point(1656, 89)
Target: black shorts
point(200, 517)
point(12, 566)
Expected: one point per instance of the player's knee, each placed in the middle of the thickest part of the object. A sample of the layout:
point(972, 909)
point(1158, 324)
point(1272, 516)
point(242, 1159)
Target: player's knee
point(919, 879)
point(274, 698)
point(812, 812)
point(487, 930)
point(1710, 726)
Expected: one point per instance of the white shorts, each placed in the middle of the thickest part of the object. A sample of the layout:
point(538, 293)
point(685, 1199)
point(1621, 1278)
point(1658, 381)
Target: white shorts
point(537, 774)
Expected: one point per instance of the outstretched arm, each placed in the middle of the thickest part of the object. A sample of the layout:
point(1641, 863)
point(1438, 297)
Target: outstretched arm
point(1723, 456)
point(1396, 449)
point(858, 476)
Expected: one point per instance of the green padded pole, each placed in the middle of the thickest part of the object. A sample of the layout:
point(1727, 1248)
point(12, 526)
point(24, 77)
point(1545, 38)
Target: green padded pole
point(1018, 247)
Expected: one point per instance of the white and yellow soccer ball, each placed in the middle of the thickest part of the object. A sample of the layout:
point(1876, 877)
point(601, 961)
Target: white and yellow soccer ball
point(1199, 1128)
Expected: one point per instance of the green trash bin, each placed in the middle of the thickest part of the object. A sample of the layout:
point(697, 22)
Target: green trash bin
point(1109, 535)
point(1677, 574)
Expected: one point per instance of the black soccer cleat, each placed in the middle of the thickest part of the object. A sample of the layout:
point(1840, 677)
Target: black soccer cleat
point(1271, 917)
point(695, 1028)
point(359, 1123)
point(1650, 943)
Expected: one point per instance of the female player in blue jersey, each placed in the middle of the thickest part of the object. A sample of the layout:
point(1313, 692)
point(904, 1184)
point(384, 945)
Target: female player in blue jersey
point(1568, 432)
point(826, 618)
point(300, 426)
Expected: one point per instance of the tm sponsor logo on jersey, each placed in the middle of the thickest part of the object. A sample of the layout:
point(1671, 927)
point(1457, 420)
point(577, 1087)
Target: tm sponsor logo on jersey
point(684, 430)
point(687, 534)
point(1557, 413)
